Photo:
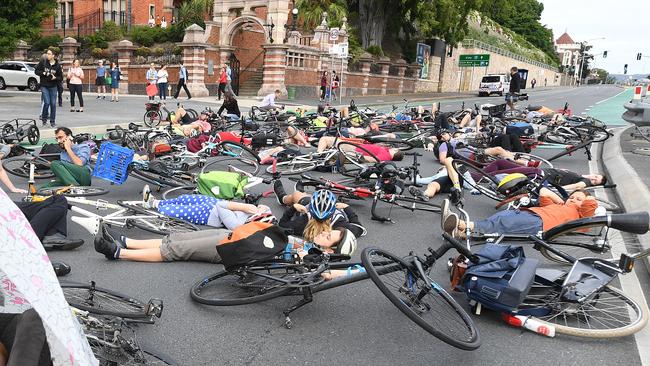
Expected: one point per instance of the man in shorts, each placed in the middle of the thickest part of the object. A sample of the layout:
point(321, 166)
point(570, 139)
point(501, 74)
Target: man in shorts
point(445, 181)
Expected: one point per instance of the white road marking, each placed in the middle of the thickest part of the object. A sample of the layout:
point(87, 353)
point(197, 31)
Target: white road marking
point(604, 100)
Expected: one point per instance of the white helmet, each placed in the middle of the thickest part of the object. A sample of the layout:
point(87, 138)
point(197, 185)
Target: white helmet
point(348, 243)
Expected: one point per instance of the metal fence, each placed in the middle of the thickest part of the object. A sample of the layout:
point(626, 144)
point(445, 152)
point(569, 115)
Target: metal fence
point(472, 43)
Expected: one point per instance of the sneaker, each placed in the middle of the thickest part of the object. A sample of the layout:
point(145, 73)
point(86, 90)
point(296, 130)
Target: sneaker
point(444, 212)
point(52, 124)
point(147, 198)
point(44, 123)
point(415, 192)
point(278, 188)
point(98, 97)
point(450, 224)
point(456, 195)
point(111, 235)
point(299, 186)
point(109, 249)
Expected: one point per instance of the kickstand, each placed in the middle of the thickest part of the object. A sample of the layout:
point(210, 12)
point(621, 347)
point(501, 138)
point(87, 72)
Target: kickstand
point(306, 299)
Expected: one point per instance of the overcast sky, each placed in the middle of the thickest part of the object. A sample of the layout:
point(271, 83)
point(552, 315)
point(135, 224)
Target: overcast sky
point(621, 22)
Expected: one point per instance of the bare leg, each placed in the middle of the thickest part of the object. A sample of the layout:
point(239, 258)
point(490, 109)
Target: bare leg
point(465, 120)
point(142, 255)
point(432, 189)
point(296, 137)
point(143, 244)
point(292, 198)
point(325, 143)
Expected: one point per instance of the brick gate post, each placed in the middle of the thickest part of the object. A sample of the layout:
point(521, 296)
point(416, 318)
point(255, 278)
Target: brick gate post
point(275, 66)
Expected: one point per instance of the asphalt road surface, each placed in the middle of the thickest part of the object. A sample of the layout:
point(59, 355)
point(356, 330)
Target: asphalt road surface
point(350, 325)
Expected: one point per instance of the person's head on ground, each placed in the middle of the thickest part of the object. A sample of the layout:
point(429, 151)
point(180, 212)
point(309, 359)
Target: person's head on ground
point(396, 154)
point(596, 179)
point(443, 135)
point(513, 70)
point(577, 197)
point(61, 134)
point(322, 204)
point(341, 240)
point(315, 227)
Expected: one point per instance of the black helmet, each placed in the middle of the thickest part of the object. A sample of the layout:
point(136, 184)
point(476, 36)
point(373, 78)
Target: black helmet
point(441, 131)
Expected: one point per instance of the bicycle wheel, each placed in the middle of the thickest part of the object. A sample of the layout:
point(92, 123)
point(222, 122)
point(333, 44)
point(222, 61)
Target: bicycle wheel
point(157, 223)
point(482, 181)
point(607, 314)
point(422, 300)
point(184, 163)
point(585, 241)
point(354, 158)
point(227, 163)
point(158, 179)
point(292, 167)
point(19, 166)
point(240, 287)
point(108, 354)
point(402, 145)
point(233, 149)
point(177, 191)
point(152, 118)
point(593, 133)
point(102, 301)
point(74, 191)
point(194, 115)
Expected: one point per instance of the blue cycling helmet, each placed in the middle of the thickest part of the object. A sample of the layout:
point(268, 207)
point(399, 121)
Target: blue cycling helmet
point(322, 205)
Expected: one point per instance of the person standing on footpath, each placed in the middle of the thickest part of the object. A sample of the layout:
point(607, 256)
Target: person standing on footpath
point(115, 82)
point(532, 83)
point(75, 84)
point(163, 81)
point(335, 84)
point(182, 80)
point(229, 83)
point(152, 77)
point(515, 87)
point(323, 86)
point(100, 80)
point(223, 81)
point(50, 74)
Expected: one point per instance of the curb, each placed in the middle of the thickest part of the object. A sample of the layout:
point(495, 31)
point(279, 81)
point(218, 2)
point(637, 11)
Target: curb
point(631, 191)
point(48, 133)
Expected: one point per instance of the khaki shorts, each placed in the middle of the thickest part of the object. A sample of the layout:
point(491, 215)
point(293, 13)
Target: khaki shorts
point(200, 246)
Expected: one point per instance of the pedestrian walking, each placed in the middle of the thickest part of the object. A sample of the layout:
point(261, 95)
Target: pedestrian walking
point(163, 23)
point(182, 81)
point(323, 86)
point(229, 82)
point(152, 78)
point(223, 81)
point(163, 81)
point(115, 82)
point(335, 85)
point(50, 73)
point(545, 81)
point(100, 80)
point(75, 84)
point(532, 83)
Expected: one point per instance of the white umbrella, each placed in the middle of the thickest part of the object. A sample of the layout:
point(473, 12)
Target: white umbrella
point(27, 280)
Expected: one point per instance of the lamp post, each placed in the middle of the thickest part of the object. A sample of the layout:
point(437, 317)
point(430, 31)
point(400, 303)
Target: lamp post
point(294, 19)
point(584, 44)
point(270, 27)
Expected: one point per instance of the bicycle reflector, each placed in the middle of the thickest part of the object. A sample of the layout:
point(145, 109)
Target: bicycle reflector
point(626, 263)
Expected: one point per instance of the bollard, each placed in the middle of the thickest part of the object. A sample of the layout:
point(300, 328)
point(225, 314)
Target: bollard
point(637, 93)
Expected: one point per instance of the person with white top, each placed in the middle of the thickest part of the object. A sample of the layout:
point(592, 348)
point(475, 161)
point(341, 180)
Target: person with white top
point(75, 76)
point(163, 82)
point(269, 101)
point(182, 82)
point(163, 23)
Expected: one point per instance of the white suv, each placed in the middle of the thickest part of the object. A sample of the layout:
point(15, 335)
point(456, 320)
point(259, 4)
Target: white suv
point(492, 84)
point(19, 74)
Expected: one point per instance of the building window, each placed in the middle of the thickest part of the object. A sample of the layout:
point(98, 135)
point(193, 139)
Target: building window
point(70, 14)
point(152, 11)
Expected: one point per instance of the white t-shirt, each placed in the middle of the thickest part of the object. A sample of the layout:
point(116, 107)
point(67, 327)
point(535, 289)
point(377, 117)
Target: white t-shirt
point(269, 100)
point(162, 76)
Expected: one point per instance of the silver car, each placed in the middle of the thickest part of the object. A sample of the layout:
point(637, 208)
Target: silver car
point(19, 74)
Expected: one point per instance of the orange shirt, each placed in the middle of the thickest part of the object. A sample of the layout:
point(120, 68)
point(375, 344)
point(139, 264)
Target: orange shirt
point(554, 214)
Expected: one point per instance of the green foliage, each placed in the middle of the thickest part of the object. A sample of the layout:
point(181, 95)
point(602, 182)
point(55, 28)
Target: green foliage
point(143, 51)
point(20, 19)
point(110, 31)
point(143, 35)
point(175, 33)
point(158, 51)
point(310, 12)
point(375, 50)
point(97, 52)
point(45, 42)
point(194, 12)
point(178, 50)
point(93, 41)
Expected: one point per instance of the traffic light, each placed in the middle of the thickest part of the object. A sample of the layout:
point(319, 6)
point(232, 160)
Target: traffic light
point(625, 69)
point(605, 54)
point(638, 56)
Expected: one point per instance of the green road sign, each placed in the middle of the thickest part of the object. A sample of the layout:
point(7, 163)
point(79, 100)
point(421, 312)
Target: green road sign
point(474, 60)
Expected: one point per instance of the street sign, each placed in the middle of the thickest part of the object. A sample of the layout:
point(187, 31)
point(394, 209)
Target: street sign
point(474, 60)
point(343, 50)
point(334, 49)
point(334, 34)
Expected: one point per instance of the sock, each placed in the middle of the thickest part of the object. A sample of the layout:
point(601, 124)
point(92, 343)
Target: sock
point(117, 252)
point(155, 204)
point(457, 185)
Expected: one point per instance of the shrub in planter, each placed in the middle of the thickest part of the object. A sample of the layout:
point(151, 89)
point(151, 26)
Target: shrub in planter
point(158, 51)
point(178, 50)
point(143, 51)
point(44, 43)
point(110, 31)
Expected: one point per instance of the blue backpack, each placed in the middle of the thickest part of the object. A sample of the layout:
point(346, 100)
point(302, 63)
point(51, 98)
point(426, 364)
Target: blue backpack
point(521, 129)
point(501, 279)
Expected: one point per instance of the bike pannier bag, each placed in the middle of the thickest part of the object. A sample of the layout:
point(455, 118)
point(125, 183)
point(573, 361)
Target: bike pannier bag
point(520, 129)
point(254, 241)
point(264, 140)
point(224, 185)
point(51, 149)
point(502, 278)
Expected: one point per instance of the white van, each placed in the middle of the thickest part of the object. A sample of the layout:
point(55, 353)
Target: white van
point(493, 84)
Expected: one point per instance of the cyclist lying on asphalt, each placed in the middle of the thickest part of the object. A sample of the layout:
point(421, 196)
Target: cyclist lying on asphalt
point(49, 220)
point(381, 152)
point(73, 168)
point(551, 212)
point(446, 180)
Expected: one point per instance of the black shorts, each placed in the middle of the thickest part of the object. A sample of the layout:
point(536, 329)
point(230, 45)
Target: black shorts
point(445, 183)
point(305, 200)
point(100, 81)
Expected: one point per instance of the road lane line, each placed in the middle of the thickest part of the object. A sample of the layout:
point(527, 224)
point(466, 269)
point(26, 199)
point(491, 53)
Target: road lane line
point(604, 100)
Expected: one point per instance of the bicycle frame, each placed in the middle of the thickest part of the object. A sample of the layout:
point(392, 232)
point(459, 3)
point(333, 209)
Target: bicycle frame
point(91, 221)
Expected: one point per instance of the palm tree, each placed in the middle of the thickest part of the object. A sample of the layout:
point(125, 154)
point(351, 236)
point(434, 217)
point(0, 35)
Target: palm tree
point(310, 11)
point(194, 11)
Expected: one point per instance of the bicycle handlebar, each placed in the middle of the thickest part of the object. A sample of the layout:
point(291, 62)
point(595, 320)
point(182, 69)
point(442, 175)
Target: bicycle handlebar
point(462, 249)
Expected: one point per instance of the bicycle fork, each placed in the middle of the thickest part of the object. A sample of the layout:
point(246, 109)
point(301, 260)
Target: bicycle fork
point(307, 297)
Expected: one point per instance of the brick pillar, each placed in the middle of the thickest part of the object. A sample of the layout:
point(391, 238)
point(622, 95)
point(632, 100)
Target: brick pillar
point(224, 54)
point(275, 66)
point(415, 70)
point(194, 60)
point(365, 60)
point(20, 54)
point(69, 47)
point(384, 62)
point(124, 57)
point(401, 70)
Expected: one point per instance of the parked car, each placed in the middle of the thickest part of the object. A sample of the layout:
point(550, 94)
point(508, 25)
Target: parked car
point(493, 84)
point(19, 74)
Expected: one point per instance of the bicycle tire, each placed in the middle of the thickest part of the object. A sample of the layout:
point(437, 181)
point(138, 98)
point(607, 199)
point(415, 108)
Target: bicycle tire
point(176, 191)
point(584, 241)
point(158, 224)
point(233, 283)
point(185, 163)
point(227, 163)
point(402, 145)
point(483, 182)
point(145, 356)
point(624, 323)
point(152, 118)
point(74, 191)
point(157, 179)
point(354, 161)
point(593, 133)
point(292, 167)
point(193, 114)
point(103, 301)
point(234, 149)
point(19, 166)
point(411, 302)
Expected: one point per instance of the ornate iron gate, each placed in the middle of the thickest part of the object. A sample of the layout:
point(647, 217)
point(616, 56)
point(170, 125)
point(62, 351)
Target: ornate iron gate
point(234, 68)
